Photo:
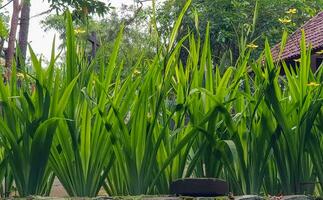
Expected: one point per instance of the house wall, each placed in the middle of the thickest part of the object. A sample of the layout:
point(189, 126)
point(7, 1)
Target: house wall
point(313, 62)
point(317, 60)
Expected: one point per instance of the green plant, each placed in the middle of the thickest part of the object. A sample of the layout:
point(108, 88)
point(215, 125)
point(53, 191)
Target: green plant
point(168, 118)
point(30, 107)
point(295, 105)
point(82, 153)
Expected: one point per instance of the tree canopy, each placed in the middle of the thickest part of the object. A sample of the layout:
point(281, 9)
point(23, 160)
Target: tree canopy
point(81, 7)
point(229, 18)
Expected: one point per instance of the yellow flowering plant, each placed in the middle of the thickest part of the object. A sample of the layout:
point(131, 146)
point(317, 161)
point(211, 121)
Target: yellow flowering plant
point(291, 11)
point(252, 46)
point(313, 84)
point(79, 31)
point(284, 20)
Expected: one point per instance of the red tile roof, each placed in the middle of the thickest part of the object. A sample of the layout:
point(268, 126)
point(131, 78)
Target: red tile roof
point(314, 36)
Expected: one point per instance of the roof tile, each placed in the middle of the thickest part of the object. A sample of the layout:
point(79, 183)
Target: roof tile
point(313, 34)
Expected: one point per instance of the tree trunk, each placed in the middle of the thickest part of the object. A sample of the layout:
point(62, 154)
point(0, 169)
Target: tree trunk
point(23, 32)
point(1, 45)
point(12, 35)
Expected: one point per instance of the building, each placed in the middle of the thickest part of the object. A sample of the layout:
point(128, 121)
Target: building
point(314, 36)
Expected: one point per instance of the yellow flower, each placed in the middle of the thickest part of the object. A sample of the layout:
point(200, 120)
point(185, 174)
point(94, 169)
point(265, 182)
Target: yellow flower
point(319, 52)
point(252, 46)
point(149, 116)
point(291, 11)
point(79, 31)
point(20, 75)
point(297, 60)
point(313, 84)
point(2, 62)
point(284, 20)
point(136, 72)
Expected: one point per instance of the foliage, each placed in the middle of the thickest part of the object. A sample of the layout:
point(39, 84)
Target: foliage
point(29, 120)
point(229, 18)
point(82, 151)
point(81, 8)
point(167, 118)
point(3, 23)
point(136, 41)
point(4, 32)
point(3, 29)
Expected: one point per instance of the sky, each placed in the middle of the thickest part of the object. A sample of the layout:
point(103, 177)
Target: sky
point(40, 40)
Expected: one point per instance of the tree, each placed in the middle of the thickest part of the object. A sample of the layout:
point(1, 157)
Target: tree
point(137, 40)
point(17, 5)
point(3, 30)
point(23, 31)
point(229, 18)
point(81, 9)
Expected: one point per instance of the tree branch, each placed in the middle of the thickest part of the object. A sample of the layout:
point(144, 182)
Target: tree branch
point(129, 21)
point(6, 4)
point(42, 13)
